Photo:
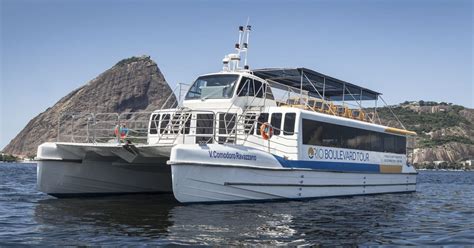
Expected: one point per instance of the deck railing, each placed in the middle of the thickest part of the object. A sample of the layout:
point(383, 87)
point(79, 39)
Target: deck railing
point(103, 127)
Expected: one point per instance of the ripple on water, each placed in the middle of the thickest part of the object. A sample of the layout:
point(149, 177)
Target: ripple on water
point(439, 213)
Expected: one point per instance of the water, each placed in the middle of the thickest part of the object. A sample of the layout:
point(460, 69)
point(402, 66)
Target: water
point(441, 212)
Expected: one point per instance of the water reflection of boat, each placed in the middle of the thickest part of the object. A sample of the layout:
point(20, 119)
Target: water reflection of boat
point(164, 221)
point(133, 215)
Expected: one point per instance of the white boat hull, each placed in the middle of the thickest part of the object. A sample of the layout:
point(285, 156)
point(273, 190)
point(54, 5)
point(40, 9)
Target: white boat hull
point(199, 176)
point(63, 179)
point(207, 183)
point(68, 169)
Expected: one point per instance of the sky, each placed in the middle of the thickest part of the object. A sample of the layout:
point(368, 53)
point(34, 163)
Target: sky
point(406, 49)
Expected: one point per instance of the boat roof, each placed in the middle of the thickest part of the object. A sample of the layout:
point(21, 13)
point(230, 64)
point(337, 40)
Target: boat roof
point(315, 83)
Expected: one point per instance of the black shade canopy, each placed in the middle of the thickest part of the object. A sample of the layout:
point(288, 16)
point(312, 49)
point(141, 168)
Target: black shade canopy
point(314, 82)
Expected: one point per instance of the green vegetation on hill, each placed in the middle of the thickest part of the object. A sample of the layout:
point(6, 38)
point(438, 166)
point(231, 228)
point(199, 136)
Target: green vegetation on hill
point(128, 60)
point(444, 140)
point(423, 122)
point(420, 118)
point(8, 158)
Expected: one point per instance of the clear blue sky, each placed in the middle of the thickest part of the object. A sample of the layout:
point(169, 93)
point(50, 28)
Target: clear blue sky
point(408, 50)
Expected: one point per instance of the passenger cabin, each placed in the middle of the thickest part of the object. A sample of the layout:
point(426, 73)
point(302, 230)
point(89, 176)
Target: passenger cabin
point(304, 108)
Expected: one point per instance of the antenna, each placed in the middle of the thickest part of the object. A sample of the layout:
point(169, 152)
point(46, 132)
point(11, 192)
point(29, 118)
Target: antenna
point(246, 44)
point(232, 61)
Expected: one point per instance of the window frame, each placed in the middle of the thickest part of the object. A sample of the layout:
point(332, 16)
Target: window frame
point(360, 139)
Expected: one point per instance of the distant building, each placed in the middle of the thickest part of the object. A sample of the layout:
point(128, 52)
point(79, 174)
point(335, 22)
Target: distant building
point(440, 164)
point(439, 108)
point(468, 164)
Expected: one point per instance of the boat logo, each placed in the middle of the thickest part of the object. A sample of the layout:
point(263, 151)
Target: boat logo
point(311, 152)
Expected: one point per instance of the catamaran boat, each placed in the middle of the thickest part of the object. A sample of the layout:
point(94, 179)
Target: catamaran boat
point(240, 135)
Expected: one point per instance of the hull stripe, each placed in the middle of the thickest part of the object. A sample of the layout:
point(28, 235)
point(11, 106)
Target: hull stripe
point(331, 166)
point(315, 185)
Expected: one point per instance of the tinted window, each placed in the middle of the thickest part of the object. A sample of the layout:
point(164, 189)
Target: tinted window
point(204, 123)
point(363, 139)
point(251, 87)
point(331, 135)
point(259, 90)
point(312, 133)
point(350, 138)
point(175, 123)
point(289, 124)
point(276, 123)
point(187, 124)
point(164, 122)
point(226, 123)
point(250, 122)
point(400, 144)
point(388, 143)
point(212, 87)
point(246, 87)
point(268, 92)
point(376, 142)
point(154, 123)
point(326, 134)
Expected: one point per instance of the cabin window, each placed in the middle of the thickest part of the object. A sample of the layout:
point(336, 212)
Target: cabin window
point(226, 123)
point(187, 124)
point(289, 124)
point(212, 87)
point(246, 87)
point(388, 143)
point(164, 122)
point(312, 133)
point(262, 118)
point(400, 144)
point(332, 135)
point(268, 92)
point(175, 123)
point(376, 142)
point(249, 122)
point(204, 128)
point(276, 123)
point(349, 138)
point(251, 87)
point(204, 123)
point(154, 123)
point(259, 90)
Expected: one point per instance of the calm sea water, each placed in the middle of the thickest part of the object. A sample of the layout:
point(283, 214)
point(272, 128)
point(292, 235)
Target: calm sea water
point(441, 212)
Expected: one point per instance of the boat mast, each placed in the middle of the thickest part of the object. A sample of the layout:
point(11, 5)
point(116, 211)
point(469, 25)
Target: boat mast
point(232, 61)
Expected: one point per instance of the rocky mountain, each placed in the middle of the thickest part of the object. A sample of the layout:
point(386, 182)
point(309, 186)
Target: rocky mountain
point(445, 131)
point(133, 84)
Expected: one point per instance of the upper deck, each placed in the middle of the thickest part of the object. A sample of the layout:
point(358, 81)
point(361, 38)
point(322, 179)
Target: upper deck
point(316, 84)
point(240, 90)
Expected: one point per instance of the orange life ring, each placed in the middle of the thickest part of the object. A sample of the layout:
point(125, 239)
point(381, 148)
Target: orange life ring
point(266, 130)
point(123, 131)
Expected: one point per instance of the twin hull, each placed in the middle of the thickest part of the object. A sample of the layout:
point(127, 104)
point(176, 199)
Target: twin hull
point(198, 174)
